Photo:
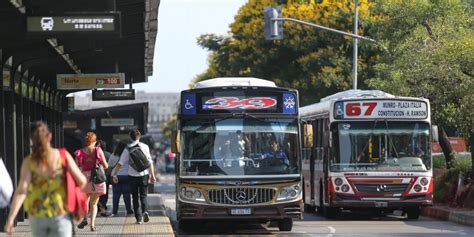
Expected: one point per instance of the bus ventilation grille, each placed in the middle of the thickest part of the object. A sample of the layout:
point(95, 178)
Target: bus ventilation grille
point(241, 196)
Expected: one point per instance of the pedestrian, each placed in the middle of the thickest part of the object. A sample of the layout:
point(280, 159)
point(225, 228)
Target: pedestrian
point(102, 205)
point(121, 188)
point(88, 158)
point(42, 187)
point(138, 181)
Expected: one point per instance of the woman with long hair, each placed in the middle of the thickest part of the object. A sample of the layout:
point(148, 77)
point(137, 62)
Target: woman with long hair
point(121, 188)
point(42, 187)
point(88, 158)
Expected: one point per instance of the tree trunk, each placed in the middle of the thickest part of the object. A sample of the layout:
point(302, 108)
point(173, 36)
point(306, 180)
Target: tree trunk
point(448, 151)
point(472, 155)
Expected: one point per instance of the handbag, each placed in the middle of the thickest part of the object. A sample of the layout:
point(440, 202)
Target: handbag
point(77, 200)
point(98, 173)
point(6, 186)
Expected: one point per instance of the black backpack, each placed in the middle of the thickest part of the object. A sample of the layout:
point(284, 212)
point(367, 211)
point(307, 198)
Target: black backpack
point(137, 160)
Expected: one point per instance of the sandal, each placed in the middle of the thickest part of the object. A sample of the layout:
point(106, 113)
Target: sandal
point(92, 228)
point(82, 224)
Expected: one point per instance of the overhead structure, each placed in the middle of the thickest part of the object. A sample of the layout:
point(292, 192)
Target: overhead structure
point(43, 40)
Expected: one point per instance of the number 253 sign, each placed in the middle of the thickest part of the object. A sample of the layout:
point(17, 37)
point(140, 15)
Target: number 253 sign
point(237, 103)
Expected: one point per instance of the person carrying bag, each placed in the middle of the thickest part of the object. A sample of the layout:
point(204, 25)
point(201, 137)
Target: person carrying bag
point(44, 175)
point(92, 162)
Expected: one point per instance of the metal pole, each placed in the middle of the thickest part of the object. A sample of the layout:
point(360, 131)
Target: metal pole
point(354, 58)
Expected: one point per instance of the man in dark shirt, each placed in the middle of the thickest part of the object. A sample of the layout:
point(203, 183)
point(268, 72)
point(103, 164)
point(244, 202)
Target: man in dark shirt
point(274, 152)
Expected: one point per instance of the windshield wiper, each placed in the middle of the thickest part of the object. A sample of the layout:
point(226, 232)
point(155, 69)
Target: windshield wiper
point(390, 139)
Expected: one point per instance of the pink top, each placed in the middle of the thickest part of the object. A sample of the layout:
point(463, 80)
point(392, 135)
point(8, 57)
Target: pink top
point(87, 161)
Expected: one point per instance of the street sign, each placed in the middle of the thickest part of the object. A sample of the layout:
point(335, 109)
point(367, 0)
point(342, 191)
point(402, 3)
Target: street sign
point(70, 103)
point(273, 29)
point(74, 22)
point(90, 81)
point(116, 122)
point(69, 124)
point(126, 94)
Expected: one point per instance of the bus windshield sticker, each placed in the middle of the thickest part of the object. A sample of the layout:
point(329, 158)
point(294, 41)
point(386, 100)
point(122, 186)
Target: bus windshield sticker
point(235, 103)
point(370, 109)
point(289, 103)
point(188, 104)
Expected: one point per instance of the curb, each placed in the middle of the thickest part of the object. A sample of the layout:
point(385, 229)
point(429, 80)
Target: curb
point(444, 213)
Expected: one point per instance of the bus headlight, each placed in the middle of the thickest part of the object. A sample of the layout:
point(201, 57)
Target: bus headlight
point(191, 194)
point(288, 193)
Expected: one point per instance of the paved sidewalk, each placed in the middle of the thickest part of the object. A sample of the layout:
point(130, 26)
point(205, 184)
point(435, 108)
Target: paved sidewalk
point(461, 216)
point(121, 225)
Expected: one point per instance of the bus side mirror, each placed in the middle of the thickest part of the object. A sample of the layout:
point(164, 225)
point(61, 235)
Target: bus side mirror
point(308, 135)
point(434, 133)
point(174, 142)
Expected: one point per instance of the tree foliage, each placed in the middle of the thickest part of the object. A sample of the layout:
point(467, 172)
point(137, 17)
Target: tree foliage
point(315, 62)
point(432, 56)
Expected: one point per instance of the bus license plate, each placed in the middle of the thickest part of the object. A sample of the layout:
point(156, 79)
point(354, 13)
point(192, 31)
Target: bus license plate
point(381, 204)
point(240, 211)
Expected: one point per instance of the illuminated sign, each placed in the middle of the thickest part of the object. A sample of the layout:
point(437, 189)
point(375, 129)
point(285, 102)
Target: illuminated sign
point(90, 81)
point(239, 103)
point(116, 122)
point(128, 94)
point(369, 109)
point(90, 22)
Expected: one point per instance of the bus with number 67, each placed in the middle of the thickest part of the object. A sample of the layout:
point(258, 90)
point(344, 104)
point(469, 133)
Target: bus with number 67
point(367, 149)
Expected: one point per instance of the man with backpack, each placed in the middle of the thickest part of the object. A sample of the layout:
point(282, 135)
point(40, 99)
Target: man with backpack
point(140, 172)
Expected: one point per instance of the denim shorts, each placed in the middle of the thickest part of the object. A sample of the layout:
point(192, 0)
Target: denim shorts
point(59, 226)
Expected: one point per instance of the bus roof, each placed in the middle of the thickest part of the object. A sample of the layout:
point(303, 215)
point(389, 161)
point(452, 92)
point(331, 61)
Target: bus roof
point(235, 81)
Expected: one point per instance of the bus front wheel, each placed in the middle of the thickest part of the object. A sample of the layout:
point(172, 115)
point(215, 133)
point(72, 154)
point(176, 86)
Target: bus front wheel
point(188, 225)
point(413, 213)
point(285, 224)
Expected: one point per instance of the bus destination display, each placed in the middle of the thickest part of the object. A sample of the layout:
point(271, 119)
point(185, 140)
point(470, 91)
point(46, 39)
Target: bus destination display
point(369, 109)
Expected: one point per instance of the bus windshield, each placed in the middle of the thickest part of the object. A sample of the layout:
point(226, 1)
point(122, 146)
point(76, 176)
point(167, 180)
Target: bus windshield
point(381, 146)
point(239, 147)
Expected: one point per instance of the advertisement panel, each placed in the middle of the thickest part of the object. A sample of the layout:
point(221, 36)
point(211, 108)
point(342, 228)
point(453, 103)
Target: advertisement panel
point(90, 81)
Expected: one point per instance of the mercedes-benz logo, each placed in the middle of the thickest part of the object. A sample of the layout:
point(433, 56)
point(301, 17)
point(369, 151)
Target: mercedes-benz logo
point(241, 196)
point(381, 188)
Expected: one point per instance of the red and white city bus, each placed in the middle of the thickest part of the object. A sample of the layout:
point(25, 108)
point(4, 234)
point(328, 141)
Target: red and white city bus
point(367, 150)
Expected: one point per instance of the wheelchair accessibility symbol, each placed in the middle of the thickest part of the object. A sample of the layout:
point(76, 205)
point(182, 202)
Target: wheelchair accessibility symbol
point(188, 105)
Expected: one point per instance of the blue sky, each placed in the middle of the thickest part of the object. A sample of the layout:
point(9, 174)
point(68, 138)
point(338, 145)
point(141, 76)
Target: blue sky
point(178, 58)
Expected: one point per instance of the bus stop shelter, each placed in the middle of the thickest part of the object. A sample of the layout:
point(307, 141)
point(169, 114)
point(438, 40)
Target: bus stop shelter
point(43, 38)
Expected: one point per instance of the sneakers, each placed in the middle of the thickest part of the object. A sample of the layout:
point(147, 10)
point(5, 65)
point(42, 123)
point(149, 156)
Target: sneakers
point(146, 217)
point(139, 220)
point(82, 224)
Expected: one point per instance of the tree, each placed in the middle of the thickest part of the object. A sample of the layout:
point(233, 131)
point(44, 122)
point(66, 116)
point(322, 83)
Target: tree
point(432, 56)
point(317, 63)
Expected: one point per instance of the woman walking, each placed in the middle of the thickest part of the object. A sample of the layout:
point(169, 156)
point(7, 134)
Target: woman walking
point(122, 186)
point(88, 158)
point(42, 187)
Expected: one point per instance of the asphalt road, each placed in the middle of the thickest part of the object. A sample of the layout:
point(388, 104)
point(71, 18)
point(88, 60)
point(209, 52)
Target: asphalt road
point(347, 224)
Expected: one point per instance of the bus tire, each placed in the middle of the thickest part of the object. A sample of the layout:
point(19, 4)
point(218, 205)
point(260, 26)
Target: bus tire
point(309, 209)
point(187, 225)
point(285, 224)
point(330, 212)
point(413, 213)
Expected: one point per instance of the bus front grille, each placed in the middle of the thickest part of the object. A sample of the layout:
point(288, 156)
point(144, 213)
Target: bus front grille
point(381, 187)
point(241, 195)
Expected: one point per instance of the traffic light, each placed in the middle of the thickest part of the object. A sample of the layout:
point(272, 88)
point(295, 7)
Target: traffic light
point(273, 28)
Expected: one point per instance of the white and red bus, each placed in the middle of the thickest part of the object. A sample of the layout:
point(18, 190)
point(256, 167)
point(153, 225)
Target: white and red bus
point(367, 150)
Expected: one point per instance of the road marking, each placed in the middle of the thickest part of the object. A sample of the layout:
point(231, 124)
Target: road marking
point(332, 230)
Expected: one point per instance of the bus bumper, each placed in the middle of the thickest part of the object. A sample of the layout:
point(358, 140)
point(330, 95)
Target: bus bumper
point(368, 202)
point(258, 212)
